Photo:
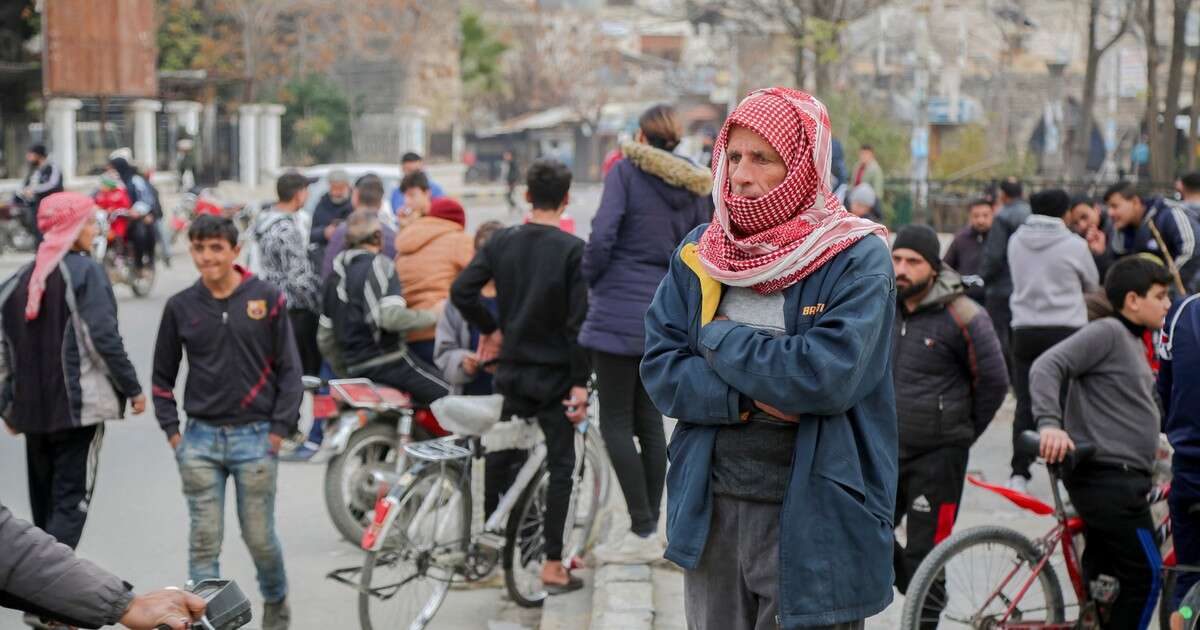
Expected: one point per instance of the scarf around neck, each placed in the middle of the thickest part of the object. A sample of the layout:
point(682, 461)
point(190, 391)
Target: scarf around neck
point(773, 241)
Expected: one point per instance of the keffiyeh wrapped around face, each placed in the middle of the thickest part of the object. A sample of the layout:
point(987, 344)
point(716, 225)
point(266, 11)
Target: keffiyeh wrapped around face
point(773, 241)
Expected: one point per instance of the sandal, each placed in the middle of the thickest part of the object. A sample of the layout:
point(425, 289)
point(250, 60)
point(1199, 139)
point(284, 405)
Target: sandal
point(573, 584)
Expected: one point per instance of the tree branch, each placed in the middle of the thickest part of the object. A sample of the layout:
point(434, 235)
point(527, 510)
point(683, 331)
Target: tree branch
point(1126, 22)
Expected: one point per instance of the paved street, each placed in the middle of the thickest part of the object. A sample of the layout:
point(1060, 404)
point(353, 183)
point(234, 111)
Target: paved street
point(138, 524)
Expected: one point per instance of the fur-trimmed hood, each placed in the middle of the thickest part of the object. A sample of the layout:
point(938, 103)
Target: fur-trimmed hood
point(670, 168)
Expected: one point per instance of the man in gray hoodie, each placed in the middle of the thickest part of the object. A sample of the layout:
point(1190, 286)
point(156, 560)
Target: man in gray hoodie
point(1052, 268)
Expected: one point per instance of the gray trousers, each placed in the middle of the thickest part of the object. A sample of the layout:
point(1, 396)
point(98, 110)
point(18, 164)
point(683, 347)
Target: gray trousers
point(736, 585)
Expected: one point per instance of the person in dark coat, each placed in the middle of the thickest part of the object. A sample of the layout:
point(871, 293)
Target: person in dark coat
point(950, 380)
point(331, 210)
point(966, 250)
point(1014, 210)
point(652, 199)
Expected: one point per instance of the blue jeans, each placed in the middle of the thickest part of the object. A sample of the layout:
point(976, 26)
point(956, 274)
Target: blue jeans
point(207, 456)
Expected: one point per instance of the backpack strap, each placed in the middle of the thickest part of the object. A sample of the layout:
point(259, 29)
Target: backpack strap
point(962, 310)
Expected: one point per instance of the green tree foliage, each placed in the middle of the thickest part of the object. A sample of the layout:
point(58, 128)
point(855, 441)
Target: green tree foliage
point(181, 30)
point(479, 57)
point(316, 125)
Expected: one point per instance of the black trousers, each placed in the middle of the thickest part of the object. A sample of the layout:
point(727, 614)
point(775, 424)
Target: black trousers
point(1027, 345)
point(304, 326)
point(1119, 536)
point(628, 413)
point(141, 241)
point(499, 472)
point(412, 375)
point(560, 462)
point(62, 473)
point(927, 496)
point(1001, 315)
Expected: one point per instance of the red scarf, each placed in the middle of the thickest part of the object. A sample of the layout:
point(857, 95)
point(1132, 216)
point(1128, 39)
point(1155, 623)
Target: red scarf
point(773, 241)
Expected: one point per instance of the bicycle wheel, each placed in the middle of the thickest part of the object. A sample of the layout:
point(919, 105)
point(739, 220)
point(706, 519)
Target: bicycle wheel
point(405, 582)
point(591, 495)
point(971, 579)
point(525, 544)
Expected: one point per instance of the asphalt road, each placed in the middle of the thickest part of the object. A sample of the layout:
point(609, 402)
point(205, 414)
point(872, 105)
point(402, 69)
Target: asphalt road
point(138, 523)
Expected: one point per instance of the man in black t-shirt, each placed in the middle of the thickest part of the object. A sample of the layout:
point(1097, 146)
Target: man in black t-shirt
point(541, 369)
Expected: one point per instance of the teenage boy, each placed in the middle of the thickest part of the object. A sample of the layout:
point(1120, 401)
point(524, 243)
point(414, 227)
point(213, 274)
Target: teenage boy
point(1111, 405)
point(1150, 225)
point(541, 368)
point(242, 398)
point(1178, 380)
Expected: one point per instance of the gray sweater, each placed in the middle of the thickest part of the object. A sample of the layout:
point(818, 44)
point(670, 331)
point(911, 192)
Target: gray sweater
point(1110, 403)
point(1052, 268)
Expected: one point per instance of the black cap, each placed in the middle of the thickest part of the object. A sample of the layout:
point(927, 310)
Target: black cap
point(921, 239)
point(39, 149)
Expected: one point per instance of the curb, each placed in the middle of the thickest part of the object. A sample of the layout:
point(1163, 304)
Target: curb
point(623, 598)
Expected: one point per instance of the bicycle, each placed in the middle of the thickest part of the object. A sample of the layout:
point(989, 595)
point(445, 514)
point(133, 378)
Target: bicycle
point(428, 534)
point(1026, 594)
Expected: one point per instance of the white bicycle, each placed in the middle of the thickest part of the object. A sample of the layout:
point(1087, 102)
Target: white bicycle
point(428, 532)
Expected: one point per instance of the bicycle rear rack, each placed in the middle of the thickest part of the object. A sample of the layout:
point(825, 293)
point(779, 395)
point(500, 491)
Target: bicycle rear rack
point(436, 451)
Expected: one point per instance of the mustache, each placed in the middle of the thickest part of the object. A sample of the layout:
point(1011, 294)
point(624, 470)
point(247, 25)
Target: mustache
point(903, 278)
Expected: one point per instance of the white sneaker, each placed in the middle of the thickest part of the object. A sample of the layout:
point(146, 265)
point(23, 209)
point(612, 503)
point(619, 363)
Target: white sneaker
point(630, 549)
point(1018, 483)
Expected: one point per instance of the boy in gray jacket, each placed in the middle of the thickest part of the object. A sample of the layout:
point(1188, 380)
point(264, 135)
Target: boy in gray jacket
point(1052, 269)
point(1111, 405)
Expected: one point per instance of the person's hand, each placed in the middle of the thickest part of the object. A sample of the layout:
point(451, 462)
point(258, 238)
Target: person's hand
point(489, 346)
point(1055, 445)
point(776, 413)
point(329, 230)
point(148, 219)
point(577, 404)
point(8, 427)
point(470, 364)
point(174, 441)
point(170, 607)
point(27, 193)
point(139, 403)
point(276, 442)
point(1097, 240)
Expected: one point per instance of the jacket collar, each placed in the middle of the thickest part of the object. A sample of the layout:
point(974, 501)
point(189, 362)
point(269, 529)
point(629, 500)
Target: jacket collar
point(672, 169)
point(946, 288)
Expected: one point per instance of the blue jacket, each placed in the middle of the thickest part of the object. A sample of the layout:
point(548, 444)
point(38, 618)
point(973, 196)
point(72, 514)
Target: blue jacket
point(641, 219)
point(1179, 386)
point(1179, 226)
point(833, 368)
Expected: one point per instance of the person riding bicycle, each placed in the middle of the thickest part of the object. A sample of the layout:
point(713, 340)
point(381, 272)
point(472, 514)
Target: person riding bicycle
point(542, 371)
point(1111, 405)
point(365, 317)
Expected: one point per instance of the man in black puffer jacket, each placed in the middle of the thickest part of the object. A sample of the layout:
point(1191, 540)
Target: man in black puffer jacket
point(950, 379)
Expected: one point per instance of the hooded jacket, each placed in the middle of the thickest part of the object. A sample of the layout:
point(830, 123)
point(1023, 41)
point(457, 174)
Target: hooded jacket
point(651, 200)
point(430, 253)
point(996, 276)
point(833, 369)
point(1052, 268)
point(949, 373)
point(67, 368)
point(243, 365)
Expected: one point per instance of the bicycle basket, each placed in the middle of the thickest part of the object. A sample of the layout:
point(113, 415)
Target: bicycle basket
point(468, 415)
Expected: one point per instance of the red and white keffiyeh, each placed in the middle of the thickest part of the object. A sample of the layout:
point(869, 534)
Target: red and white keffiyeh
point(771, 242)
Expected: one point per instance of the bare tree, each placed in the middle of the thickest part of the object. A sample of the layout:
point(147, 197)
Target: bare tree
point(1160, 115)
point(1096, 48)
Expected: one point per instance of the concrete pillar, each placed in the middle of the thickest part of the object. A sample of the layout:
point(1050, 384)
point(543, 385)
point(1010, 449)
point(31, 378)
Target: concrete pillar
point(60, 124)
point(411, 121)
point(270, 144)
point(145, 149)
point(185, 114)
point(248, 144)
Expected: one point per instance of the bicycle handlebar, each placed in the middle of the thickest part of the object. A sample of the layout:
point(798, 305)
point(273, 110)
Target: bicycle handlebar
point(226, 606)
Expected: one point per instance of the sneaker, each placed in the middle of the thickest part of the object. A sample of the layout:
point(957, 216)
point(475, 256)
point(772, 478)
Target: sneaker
point(630, 549)
point(276, 616)
point(302, 453)
point(1018, 483)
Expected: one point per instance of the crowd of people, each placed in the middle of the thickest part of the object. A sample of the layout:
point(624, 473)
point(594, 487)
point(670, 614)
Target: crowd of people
point(820, 371)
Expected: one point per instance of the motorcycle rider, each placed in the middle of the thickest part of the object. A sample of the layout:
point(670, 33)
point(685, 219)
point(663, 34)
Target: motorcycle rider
point(44, 179)
point(365, 317)
point(144, 210)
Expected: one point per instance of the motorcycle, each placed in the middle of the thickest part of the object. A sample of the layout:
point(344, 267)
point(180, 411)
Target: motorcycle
point(197, 202)
point(16, 221)
point(367, 428)
point(113, 249)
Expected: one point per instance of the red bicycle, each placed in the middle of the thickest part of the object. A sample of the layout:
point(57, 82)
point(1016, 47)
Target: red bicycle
point(995, 578)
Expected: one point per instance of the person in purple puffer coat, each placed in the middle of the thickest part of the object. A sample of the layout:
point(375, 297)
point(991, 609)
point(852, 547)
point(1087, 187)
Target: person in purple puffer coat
point(652, 198)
